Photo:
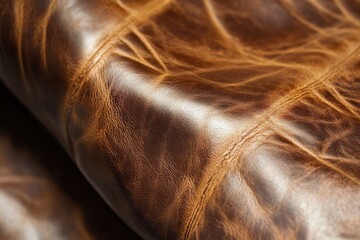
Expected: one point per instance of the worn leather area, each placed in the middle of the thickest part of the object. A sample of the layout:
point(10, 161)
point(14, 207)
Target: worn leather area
point(206, 119)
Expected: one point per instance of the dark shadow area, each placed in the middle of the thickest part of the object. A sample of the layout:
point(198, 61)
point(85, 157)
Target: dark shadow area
point(28, 133)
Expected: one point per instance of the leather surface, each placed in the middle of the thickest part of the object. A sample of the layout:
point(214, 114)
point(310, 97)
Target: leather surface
point(200, 119)
point(42, 194)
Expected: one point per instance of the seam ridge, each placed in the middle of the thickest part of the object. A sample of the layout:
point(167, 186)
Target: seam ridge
point(233, 154)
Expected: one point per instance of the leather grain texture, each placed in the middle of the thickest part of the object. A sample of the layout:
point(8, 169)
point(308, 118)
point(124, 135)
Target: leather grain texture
point(200, 119)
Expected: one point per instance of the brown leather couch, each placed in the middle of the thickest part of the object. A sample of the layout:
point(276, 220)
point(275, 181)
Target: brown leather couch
point(194, 119)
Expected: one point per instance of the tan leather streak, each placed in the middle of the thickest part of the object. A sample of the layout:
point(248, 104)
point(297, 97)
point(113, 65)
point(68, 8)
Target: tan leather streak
point(133, 19)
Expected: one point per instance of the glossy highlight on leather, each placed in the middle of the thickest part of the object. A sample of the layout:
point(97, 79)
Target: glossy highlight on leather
point(200, 119)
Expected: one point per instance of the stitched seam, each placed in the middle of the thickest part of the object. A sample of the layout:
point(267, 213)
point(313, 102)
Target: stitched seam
point(79, 78)
point(233, 153)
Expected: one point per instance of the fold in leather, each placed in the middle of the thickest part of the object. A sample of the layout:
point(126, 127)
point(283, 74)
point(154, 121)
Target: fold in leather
point(200, 119)
point(31, 206)
point(43, 195)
